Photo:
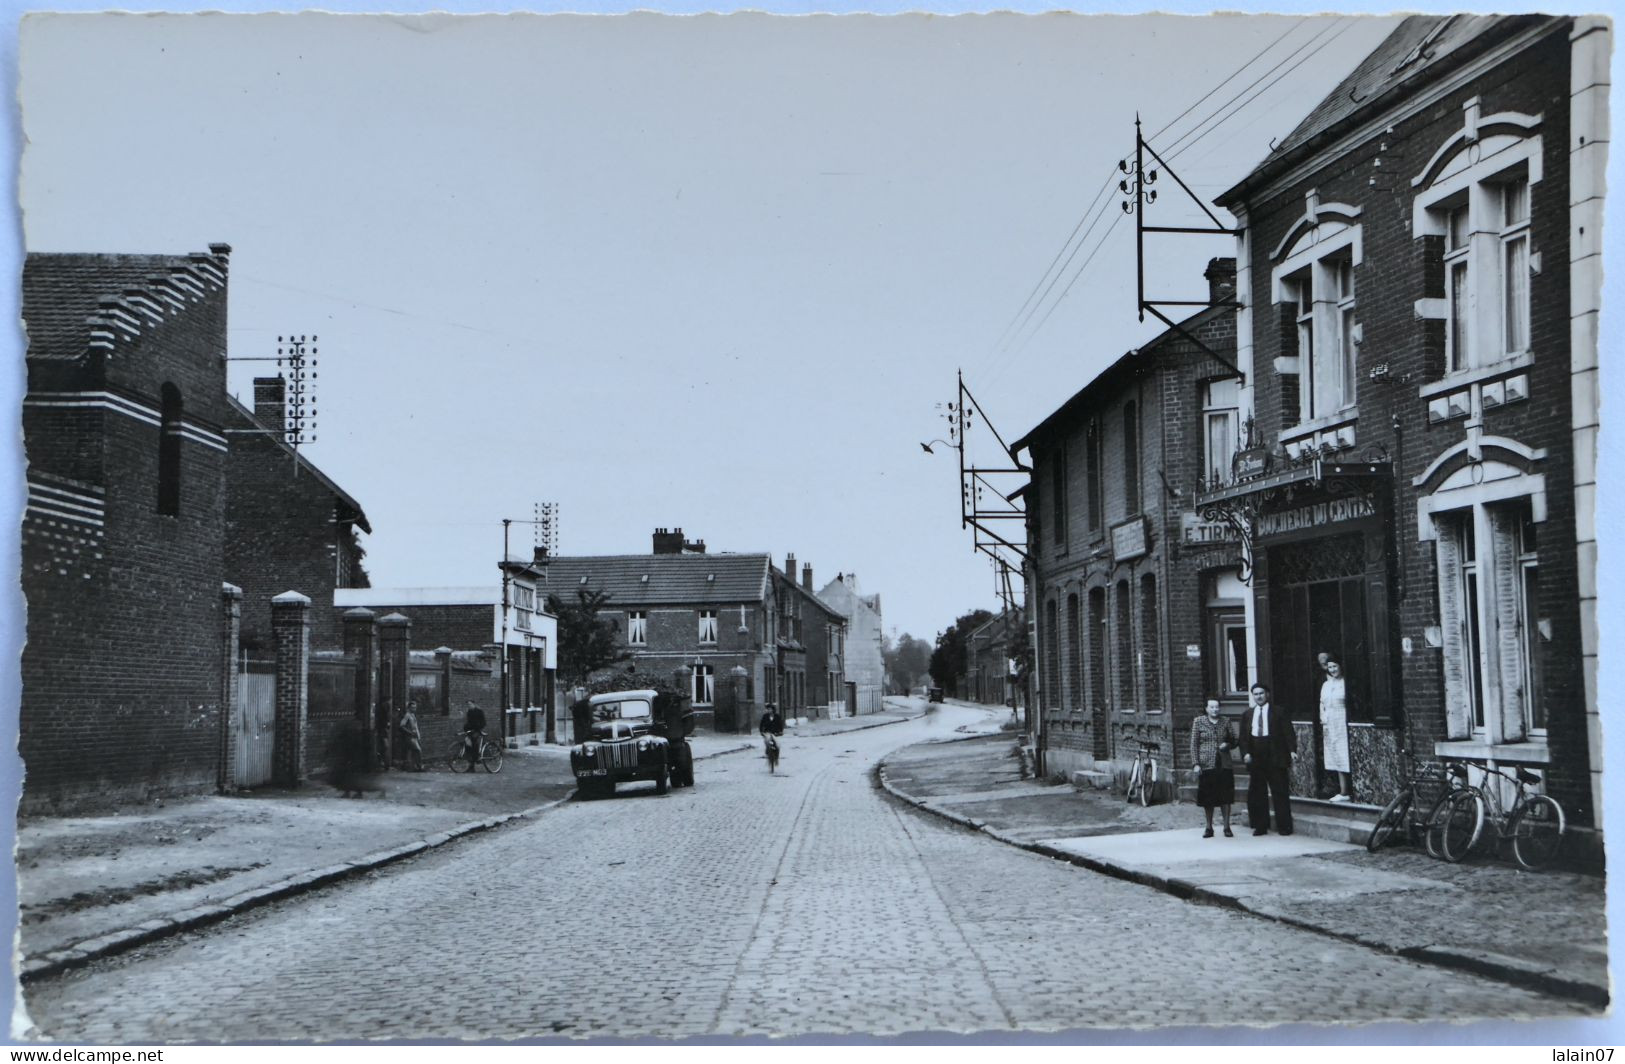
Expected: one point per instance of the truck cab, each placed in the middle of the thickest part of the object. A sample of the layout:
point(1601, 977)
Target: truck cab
point(633, 735)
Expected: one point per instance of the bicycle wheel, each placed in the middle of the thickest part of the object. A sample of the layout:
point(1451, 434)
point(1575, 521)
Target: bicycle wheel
point(1537, 831)
point(1133, 782)
point(1148, 782)
point(455, 755)
point(1460, 825)
point(491, 755)
point(1393, 814)
point(1430, 823)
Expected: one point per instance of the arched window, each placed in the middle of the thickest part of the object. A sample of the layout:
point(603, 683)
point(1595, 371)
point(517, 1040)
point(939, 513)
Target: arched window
point(169, 452)
point(1150, 646)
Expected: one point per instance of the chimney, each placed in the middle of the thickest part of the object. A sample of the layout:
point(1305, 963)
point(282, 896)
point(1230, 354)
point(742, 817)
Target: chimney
point(271, 403)
point(540, 557)
point(668, 541)
point(693, 546)
point(806, 576)
point(790, 567)
point(1221, 280)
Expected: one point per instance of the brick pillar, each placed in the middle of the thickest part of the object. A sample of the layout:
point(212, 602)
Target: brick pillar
point(361, 644)
point(290, 630)
point(394, 646)
point(442, 660)
point(231, 709)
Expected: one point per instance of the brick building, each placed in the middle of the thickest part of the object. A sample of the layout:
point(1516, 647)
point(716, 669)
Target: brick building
point(749, 634)
point(1419, 290)
point(125, 672)
point(990, 652)
point(811, 643)
point(288, 525)
point(457, 631)
point(864, 659)
point(1132, 597)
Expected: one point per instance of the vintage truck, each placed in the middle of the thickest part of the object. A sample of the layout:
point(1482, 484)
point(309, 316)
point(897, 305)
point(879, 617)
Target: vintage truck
point(632, 735)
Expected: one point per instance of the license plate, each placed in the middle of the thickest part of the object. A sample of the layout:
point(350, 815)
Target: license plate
point(594, 772)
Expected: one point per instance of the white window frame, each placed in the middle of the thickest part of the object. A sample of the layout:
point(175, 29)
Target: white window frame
point(705, 685)
point(1227, 418)
point(637, 628)
point(1474, 174)
point(708, 627)
point(1507, 633)
point(1311, 279)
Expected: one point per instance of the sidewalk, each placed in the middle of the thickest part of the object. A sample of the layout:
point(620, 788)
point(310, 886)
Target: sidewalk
point(92, 886)
point(1542, 930)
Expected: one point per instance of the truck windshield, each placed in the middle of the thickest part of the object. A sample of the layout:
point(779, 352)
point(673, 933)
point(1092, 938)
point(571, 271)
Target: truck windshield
point(621, 710)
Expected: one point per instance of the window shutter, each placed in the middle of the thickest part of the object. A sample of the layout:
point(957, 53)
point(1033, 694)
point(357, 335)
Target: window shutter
point(1508, 640)
point(1458, 714)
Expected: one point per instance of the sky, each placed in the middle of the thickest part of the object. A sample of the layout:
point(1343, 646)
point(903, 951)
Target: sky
point(714, 273)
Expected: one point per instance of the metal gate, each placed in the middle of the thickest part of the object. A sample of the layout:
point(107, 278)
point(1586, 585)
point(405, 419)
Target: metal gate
point(256, 731)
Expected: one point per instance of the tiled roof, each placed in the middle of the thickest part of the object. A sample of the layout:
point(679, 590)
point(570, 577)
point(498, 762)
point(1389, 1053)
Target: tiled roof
point(69, 300)
point(1412, 54)
point(348, 507)
point(660, 579)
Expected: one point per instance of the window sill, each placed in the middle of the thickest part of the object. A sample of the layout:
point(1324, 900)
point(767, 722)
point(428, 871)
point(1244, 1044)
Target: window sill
point(1534, 752)
point(1305, 429)
point(1477, 374)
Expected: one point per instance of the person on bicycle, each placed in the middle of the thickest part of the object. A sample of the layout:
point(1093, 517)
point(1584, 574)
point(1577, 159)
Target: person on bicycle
point(473, 734)
point(771, 727)
point(408, 725)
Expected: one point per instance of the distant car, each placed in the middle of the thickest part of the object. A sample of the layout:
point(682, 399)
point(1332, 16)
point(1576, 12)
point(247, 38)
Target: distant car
point(933, 694)
point(634, 735)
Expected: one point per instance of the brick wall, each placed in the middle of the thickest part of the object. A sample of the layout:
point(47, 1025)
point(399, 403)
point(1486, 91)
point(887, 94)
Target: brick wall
point(1397, 270)
point(122, 669)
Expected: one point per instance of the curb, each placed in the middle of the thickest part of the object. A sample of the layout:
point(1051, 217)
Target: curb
point(80, 953)
point(1490, 967)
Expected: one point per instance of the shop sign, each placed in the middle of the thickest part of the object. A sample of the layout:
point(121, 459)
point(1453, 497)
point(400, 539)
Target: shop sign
point(1197, 532)
point(1251, 462)
point(1321, 513)
point(1129, 540)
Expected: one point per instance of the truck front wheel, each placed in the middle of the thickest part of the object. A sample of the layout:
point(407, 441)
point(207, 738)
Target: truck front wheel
point(685, 764)
point(660, 777)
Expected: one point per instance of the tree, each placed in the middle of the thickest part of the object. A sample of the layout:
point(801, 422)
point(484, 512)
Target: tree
point(949, 660)
point(586, 642)
point(906, 661)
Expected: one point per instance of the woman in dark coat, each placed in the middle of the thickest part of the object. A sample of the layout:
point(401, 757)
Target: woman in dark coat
point(1212, 739)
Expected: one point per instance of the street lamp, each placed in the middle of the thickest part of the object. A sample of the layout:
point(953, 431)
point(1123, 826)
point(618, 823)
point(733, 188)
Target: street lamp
point(926, 447)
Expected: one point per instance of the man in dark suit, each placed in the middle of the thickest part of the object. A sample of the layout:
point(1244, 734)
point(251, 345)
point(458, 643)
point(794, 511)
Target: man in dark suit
point(1268, 744)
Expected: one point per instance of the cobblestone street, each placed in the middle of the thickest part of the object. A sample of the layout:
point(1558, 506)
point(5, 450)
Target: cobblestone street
point(807, 902)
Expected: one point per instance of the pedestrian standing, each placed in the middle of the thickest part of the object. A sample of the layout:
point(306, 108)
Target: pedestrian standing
point(1334, 727)
point(1212, 739)
point(473, 734)
point(413, 737)
point(1268, 747)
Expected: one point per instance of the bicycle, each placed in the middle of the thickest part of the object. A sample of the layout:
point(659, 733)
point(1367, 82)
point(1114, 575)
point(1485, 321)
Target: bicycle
point(490, 754)
point(1533, 822)
point(1402, 809)
point(1142, 778)
point(771, 746)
